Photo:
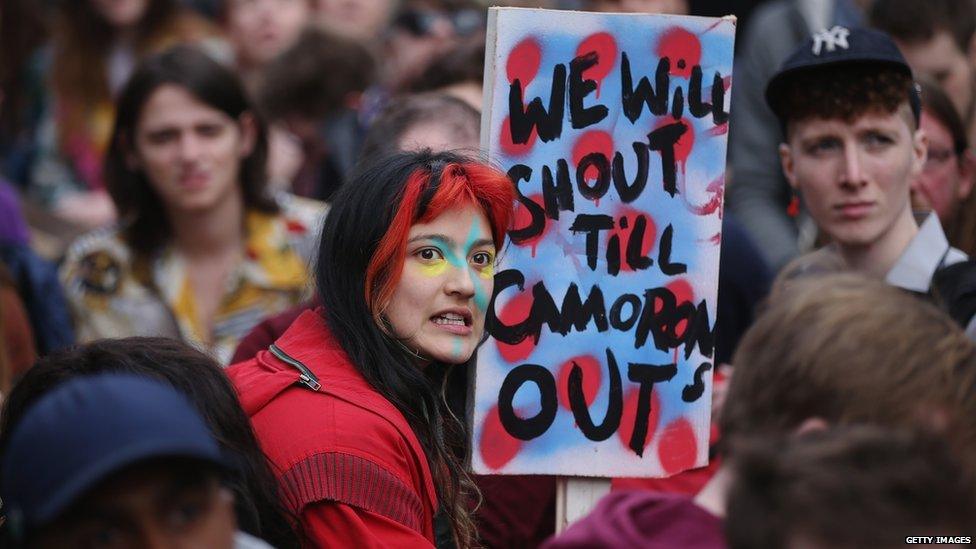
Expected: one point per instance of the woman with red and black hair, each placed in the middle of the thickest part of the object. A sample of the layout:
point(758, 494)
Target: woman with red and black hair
point(349, 403)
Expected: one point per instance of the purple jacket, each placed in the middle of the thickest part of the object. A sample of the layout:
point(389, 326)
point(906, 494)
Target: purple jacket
point(651, 520)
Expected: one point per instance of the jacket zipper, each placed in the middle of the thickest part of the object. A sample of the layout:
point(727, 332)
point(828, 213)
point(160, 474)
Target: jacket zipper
point(306, 378)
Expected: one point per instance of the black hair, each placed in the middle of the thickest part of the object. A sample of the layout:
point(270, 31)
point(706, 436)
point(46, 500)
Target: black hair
point(196, 375)
point(361, 214)
point(139, 206)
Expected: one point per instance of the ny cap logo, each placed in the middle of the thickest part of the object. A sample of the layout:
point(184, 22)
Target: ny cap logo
point(831, 39)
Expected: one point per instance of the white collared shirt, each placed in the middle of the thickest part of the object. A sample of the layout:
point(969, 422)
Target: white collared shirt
point(925, 254)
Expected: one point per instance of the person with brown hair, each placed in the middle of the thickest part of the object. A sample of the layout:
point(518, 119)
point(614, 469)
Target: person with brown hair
point(203, 252)
point(843, 348)
point(260, 30)
point(836, 349)
point(945, 185)
point(95, 46)
point(852, 149)
point(847, 488)
point(310, 94)
point(938, 38)
point(202, 381)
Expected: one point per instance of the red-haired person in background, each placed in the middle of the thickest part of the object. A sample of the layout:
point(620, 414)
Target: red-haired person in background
point(349, 403)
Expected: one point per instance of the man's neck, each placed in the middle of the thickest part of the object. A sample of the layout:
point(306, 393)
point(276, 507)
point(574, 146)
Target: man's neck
point(877, 258)
point(213, 232)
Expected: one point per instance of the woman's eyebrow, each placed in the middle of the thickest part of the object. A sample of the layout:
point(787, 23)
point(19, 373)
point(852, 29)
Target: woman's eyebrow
point(441, 238)
point(482, 242)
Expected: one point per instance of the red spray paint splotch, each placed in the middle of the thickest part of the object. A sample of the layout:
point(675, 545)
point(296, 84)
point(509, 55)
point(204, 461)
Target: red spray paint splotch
point(509, 147)
point(523, 61)
point(647, 243)
point(678, 448)
point(629, 417)
point(591, 142)
point(515, 311)
point(592, 379)
point(715, 190)
point(605, 47)
point(683, 293)
point(522, 219)
point(497, 446)
point(682, 48)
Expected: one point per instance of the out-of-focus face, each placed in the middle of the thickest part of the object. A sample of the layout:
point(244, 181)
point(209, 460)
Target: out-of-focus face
point(678, 7)
point(946, 180)
point(417, 38)
point(153, 505)
point(262, 29)
point(855, 177)
point(190, 152)
point(358, 19)
point(121, 13)
point(941, 60)
point(438, 307)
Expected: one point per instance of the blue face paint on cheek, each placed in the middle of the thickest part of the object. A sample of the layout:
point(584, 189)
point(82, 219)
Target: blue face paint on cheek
point(480, 296)
point(457, 347)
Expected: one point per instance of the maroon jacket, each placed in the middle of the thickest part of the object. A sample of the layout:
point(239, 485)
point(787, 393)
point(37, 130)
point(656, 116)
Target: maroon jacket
point(642, 519)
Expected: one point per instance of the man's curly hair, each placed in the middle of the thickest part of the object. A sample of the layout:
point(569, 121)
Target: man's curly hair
point(844, 92)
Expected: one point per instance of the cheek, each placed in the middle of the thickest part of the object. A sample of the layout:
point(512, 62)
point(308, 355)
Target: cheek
point(433, 270)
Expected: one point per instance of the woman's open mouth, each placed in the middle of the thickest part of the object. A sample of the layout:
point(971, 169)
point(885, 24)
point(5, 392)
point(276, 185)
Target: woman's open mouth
point(454, 322)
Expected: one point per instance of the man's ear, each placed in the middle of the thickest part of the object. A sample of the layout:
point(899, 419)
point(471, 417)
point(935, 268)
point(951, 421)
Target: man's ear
point(249, 132)
point(920, 151)
point(786, 160)
point(967, 171)
point(812, 425)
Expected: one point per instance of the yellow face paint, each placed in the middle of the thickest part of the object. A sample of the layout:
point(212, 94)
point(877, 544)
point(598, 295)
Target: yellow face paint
point(433, 269)
point(488, 272)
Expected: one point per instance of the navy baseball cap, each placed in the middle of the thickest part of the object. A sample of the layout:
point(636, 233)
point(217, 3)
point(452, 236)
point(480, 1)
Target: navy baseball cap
point(85, 430)
point(835, 47)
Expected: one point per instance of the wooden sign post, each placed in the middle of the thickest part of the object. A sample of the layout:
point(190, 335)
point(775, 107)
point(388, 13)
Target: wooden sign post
point(613, 128)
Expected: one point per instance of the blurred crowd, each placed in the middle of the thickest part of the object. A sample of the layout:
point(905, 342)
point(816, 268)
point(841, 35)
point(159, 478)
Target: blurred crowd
point(176, 181)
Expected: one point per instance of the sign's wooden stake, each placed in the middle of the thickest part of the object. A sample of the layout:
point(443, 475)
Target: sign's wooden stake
point(576, 497)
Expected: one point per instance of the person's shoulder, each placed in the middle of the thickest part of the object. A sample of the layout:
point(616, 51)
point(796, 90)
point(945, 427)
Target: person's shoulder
point(642, 518)
point(97, 263)
point(302, 219)
point(300, 210)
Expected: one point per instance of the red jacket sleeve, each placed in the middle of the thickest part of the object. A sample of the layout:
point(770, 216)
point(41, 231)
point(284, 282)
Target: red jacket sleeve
point(331, 524)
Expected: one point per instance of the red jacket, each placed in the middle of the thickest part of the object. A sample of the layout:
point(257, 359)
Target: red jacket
point(348, 464)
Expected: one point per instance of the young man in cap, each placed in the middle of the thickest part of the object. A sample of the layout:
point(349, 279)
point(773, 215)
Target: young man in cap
point(115, 460)
point(850, 109)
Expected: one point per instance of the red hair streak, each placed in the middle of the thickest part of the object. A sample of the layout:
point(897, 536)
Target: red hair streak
point(461, 184)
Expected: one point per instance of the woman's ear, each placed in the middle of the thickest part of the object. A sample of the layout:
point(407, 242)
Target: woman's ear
point(248, 124)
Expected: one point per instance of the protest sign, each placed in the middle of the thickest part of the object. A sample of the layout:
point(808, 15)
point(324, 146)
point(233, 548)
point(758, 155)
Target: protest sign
point(613, 128)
